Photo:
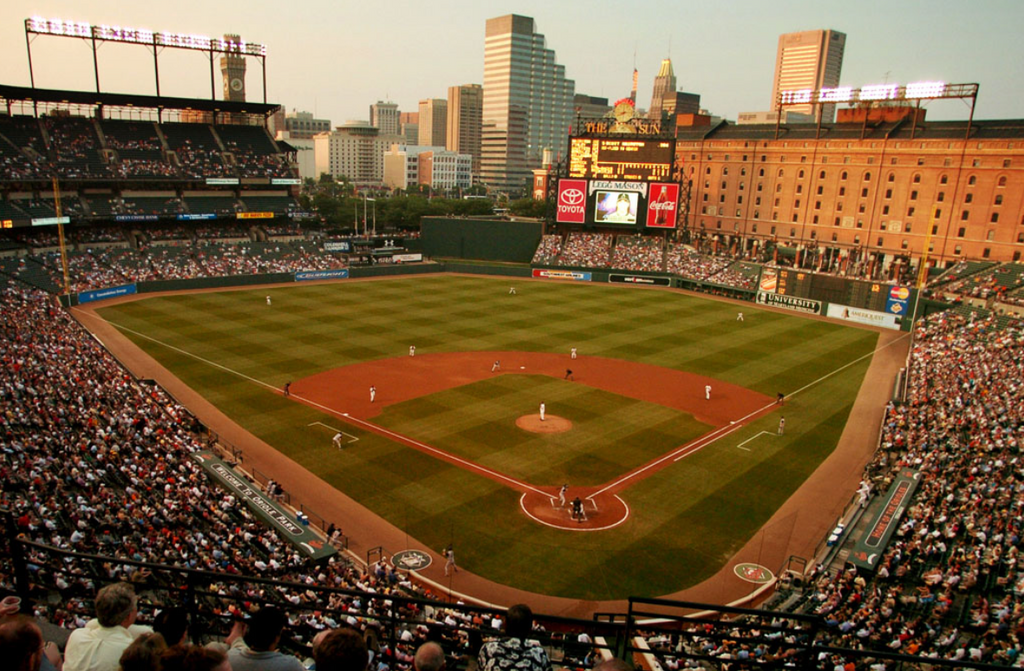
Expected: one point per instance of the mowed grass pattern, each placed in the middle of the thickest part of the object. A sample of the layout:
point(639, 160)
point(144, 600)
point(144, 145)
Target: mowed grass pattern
point(687, 520)
point(611, 434)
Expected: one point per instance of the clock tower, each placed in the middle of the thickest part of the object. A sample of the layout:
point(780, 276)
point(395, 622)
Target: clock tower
point(232, 68)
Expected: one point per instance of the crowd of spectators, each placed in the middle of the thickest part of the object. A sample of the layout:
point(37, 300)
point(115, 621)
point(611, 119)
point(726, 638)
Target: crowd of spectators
point(548, 249)
point(687, 262)
point(589, 250)
point(948, 584)
point(638, 252)
point(74, 148)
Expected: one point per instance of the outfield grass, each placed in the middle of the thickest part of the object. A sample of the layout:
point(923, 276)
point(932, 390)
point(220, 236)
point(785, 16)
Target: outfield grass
point(687, 519)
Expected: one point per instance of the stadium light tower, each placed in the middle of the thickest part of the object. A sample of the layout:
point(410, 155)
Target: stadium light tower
point(155, 40)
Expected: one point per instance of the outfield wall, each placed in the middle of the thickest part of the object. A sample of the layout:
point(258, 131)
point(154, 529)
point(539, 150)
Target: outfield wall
point(483, 239)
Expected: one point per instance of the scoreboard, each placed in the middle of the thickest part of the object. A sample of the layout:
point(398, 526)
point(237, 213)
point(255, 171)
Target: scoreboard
point(830, 289)
point(628, 160)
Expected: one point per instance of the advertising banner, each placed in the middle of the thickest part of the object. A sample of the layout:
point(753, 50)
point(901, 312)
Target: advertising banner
point(111, 292)
point(255, 215)
point(661, 213)
point(769, 279)
point(50, 221)
point(343, 246)
point(550, 274)
point(636, 279)
point(870, 547)
point(284, 181)
point(307, 275)
point(896, 303)
point(221, 181)
point(571, 207)
point(204, 216)
point(862, 316)
point(789, 302)
point(407, 258)
point(137, 217)
point(297, 533)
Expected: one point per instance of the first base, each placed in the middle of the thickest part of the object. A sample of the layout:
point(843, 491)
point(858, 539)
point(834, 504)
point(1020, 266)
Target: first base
point(522, 368)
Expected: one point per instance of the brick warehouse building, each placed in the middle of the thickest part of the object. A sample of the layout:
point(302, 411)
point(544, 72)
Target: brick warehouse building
point(859, 190)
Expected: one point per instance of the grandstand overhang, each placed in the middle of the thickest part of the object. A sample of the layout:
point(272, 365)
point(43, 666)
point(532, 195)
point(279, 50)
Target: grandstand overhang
point(224, 111)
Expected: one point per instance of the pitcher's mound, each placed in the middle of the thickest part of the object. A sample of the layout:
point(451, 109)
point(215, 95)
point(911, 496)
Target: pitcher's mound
point(551, 423)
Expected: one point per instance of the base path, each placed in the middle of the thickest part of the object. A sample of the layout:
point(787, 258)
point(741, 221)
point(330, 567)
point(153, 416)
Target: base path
point(345, 392)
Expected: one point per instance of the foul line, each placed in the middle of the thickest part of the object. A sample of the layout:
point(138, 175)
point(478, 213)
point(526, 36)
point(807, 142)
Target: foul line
point(700, 443)
point(344, 416)
point(331, 428)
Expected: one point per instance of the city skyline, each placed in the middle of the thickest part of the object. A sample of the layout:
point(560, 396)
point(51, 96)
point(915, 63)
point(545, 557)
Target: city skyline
point(336, 61)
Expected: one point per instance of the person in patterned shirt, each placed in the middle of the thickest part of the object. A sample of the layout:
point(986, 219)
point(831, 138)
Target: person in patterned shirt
point(515, 652)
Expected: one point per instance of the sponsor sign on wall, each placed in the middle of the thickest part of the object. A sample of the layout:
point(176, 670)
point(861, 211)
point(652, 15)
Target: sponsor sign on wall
point(862, 316)
point(551, 274)
point(307, 275)
point(572, 206)
point(896, 303)
point(343, 246)
point(111, 292)
point(637, 279)
point(661, 212)
point(789, 302)
point(255, 215)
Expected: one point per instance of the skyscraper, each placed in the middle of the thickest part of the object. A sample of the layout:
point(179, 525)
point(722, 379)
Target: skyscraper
point(384, 115)
point(433, 122)
point(812, 59)
point(527, 104)
point(465, 107)
point(664, 87)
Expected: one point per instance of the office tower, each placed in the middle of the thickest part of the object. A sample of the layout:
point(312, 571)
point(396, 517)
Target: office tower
point(302, 125)
point(589, 107)
point(664, 88)
point(433, 122)
point(465, 107)
point(409, 127)
point(384, 116)
point(528, 103)
point(355, 151)
point(812, 59)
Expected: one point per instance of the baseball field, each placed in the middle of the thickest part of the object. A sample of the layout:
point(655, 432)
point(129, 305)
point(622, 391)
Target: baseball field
point(673, 478)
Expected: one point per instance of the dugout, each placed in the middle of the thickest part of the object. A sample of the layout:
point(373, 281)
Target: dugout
point(510, 240)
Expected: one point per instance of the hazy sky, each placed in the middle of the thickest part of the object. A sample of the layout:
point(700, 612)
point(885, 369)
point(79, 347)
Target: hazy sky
point(336, 57)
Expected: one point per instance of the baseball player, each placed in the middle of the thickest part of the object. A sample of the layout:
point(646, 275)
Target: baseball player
point(412, 350)
point(496, 366)
point(268, 300)
point(542, 408)
point(561, 495)
point(572, 353)
point(782, 425)
point(449, 557)
point(511, 291)
point(707, 392)
point(373, 393)
point(337, 440)
point(739, 316)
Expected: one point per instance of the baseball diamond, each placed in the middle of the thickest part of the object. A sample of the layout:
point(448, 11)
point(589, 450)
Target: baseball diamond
point(440, 454)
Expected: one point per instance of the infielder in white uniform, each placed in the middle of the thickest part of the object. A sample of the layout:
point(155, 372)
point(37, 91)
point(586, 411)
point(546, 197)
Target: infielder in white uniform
point(542, 412)
point(412, 350)
point(337, 440)
point(572, 353)
point(707, 392)
point(496, 366)
point(373, 393)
